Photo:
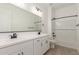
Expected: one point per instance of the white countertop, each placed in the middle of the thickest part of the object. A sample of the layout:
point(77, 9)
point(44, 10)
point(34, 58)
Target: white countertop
point(8, 42)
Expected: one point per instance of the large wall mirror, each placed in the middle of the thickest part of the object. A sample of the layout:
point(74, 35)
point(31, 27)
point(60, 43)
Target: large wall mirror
point(14, 19)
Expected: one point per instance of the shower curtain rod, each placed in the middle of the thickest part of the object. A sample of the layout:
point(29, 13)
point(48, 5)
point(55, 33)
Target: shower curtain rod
point(65, 17)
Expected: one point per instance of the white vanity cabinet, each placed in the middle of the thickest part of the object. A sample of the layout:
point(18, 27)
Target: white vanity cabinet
point(25, 48)
point(41, 45)
point(36, 46)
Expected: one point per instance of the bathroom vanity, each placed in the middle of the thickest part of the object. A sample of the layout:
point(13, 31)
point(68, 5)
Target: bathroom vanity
point(30, 45)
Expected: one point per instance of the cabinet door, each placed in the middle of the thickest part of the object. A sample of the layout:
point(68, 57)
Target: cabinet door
point(27, 48)
point(37, 47)
point(45, 44)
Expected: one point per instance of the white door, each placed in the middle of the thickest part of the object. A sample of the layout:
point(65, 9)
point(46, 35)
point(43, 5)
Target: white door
point(37, 46)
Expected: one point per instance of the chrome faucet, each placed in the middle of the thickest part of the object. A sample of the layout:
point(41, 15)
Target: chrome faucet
point(14, 35)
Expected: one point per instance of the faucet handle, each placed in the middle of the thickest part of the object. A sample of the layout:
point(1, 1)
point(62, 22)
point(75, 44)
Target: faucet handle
point(14, 35)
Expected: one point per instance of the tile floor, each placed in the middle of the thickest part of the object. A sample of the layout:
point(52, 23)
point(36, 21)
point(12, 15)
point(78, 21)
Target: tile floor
point(60, 50)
